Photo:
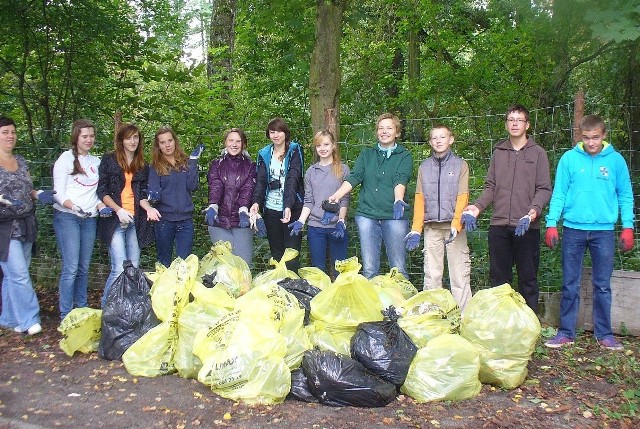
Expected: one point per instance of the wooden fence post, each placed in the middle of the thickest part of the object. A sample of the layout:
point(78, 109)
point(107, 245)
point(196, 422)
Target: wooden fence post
point(578, 114)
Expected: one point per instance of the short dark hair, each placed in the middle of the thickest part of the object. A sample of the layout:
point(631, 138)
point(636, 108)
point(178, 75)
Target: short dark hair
point(517, 108)
point(592, 122)
point(5, 120)
point(279, 124)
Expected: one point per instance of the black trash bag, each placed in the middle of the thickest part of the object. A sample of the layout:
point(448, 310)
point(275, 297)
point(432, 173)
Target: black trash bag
point(340, 381)
point(300, 388)
point(127, 314)
point(303, 290)
point(209, 280)
point(384, 348)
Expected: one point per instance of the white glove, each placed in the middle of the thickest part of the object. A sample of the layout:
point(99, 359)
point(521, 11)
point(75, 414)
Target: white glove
point(124, 216)
point(452, 236)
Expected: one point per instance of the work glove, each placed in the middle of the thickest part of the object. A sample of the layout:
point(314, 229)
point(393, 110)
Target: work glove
point(469, 221)
point(6, 200)
point(625, 242)
point(153, 197)
point(45, 197)
point(523, 225)
point(452, 236)
point(197, 152)
point(330, 210)
point(245, 221)
point(77, 210)
point(106, 212)
point(398, 209)
point(211, 214)
point(295, 228)
point(412, 240)
point(551, 237)
point(257, 223)
point(124, 216)
point(340, 229)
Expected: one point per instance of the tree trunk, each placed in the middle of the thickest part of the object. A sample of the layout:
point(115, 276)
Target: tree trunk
point(324, 70)
point(222, 36)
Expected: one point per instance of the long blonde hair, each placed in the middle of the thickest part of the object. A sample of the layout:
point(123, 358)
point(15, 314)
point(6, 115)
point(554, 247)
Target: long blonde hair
point(159, 161)
point(336, 165)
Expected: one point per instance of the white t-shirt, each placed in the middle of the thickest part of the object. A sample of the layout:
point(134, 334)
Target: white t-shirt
point(79, 188)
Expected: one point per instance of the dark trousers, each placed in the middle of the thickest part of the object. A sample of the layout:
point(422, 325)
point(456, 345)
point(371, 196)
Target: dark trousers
point(505, 249)
point(279, 237)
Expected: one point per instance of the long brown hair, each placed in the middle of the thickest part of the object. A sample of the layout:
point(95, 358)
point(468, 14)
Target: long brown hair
point(137, 163)
point(336, 165)
point(76, 129)
point(159, 161)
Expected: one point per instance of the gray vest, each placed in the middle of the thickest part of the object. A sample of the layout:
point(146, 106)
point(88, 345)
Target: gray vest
point(440, 179)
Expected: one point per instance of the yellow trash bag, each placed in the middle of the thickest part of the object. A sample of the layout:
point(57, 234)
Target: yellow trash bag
point(81, 329)
point(153, 354)
point(195, 316)
point(498, 322)
point(152, 276)
point(231, 271)
point(389, 296)
point(396, 281)
point(279, 271)
point(172, 287)
point(315, 276)
point(271, 304)
point(243, 360)
point(446, 369)
point(428, 314)
point(330, 338)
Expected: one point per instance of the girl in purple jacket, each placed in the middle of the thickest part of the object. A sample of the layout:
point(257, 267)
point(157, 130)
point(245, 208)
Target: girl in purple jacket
point(232, 178)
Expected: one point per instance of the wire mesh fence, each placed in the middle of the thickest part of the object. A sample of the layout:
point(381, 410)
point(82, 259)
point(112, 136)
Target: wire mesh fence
point(475, 137)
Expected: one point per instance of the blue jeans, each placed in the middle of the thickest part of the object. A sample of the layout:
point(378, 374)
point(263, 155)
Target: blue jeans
point(372, 233)
point(124, 246)
point(76, 237)
point(168, 232)
point(319, 239)
point(19, 301)
point(601, 245)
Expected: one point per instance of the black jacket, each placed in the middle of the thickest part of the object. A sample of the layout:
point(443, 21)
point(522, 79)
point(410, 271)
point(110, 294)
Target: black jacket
point(111, 182)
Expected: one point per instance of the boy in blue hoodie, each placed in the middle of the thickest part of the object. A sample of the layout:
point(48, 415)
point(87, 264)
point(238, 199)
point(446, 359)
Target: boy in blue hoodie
point(592, 186)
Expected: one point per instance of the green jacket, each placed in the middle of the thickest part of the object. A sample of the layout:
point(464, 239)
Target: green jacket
point(378, 176)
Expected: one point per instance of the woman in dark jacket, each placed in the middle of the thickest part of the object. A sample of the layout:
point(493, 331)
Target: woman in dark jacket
point(122, 185)
point(232, 178)
point(279, 190)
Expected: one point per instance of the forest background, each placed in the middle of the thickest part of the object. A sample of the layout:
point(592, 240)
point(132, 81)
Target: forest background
point(203, 66)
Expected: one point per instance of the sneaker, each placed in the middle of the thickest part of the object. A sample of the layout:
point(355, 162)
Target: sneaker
point(610, 343)
point(558, 341)
point(17, 329)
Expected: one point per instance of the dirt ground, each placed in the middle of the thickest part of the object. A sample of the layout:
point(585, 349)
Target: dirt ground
point(40, 386)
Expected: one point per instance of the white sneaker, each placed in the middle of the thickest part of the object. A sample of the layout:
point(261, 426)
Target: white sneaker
point(35, 329)
point(17, 329)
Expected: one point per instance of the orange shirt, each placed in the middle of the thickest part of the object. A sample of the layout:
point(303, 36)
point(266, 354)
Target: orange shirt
point(127, 194)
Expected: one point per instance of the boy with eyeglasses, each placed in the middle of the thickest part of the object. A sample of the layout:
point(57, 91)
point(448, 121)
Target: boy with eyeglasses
point(592, 190)
point(518, 184)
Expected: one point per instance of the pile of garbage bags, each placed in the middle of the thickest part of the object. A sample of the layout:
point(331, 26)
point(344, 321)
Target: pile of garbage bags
point(350, 342)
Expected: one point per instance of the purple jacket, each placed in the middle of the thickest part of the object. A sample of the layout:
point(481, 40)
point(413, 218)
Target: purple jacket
point(231, 182)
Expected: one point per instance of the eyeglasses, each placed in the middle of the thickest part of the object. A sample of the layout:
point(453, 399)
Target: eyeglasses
point(516, 120)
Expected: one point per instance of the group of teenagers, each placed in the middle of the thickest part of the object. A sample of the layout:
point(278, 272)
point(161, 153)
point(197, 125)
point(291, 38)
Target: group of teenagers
point(128, 203)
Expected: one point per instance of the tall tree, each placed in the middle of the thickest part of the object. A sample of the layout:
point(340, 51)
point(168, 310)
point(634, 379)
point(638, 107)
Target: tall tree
point(324, 70)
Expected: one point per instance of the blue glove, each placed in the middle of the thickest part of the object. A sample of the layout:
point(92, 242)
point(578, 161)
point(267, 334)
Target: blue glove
point(398, 209)
point(211, 214)
point(469, 221)
point(245, 220)
point(340, 230)
point(106, 212)
point(523, 225)
point(197, 152)
point(6, 200)
point(261, 229)
point(326, 217)
point(45, 197)
point(295, 227)
point(412, 240)
point(153, 197)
